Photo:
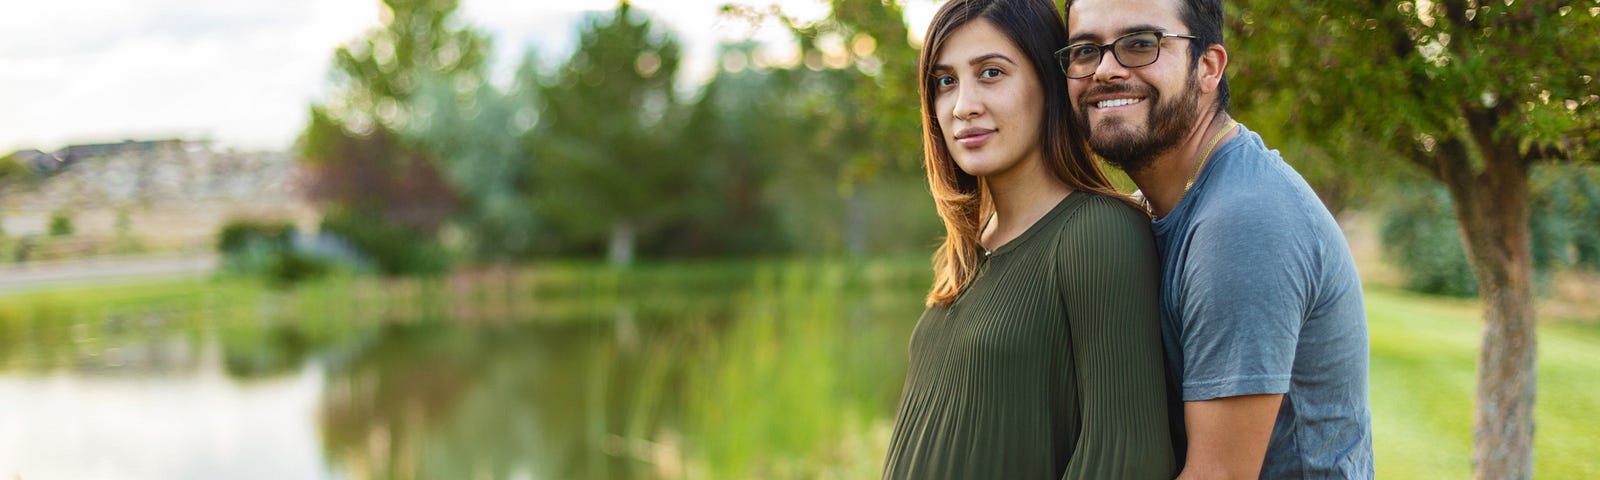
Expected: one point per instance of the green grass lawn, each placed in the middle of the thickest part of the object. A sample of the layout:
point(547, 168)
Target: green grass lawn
point(1424, 354)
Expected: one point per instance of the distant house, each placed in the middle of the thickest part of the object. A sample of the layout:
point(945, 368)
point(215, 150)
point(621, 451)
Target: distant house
point(37, 161)
point(152, 173)
point(76, 153)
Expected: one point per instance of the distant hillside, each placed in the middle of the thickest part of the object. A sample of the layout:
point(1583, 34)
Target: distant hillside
point(149, 174)
point(154, 195)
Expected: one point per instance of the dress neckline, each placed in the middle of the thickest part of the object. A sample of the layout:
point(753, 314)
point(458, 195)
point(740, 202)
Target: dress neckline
point(1035, 227)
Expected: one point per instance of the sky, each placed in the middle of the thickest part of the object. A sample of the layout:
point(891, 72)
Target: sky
point(242, 73)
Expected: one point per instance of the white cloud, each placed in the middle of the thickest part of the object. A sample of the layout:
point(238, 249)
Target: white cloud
point(241, 72)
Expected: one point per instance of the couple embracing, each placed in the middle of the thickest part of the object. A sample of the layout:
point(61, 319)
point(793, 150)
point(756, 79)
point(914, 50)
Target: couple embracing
point(1210, 327)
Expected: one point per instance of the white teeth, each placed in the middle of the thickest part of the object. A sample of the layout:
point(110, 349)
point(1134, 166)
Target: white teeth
point(1118, 102)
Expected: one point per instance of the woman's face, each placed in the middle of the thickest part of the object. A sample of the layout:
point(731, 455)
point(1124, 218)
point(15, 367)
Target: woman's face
point(988, 100)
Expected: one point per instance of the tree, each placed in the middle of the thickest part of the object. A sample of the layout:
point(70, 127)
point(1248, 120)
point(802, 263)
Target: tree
point(475, 132)
point(1472, 94)
point(744, 127)
point(857, 98)
point(609, 168)
point(360, 166)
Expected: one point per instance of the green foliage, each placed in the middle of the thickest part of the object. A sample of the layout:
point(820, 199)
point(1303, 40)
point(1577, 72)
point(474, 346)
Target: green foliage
point(238, 236)
point(865, 49)
point(1422, 237)
point(359, 161)
point(266, 249)
point(476, 136)
point(392, 249)
point(1416, 75)
point(12, 170)
point(1566, 213)
point(61, 223)
point(381, 72)
point(739, 123)
point(840, 130)
point(377, 175)
point(609, 118)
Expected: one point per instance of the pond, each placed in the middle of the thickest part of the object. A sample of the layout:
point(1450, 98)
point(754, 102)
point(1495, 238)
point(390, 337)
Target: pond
point(761, 369)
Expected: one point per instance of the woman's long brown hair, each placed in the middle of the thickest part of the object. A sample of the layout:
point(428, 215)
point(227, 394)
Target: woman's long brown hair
point(1036, 27)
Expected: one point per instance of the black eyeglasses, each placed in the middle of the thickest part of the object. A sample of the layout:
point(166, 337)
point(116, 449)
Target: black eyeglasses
point(1133, 50)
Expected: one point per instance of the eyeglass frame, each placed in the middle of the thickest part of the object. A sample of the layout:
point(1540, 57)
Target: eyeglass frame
point(1065, 64)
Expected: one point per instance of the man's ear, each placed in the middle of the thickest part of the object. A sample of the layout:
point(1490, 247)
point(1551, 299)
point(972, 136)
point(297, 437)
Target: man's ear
point(1212, 63)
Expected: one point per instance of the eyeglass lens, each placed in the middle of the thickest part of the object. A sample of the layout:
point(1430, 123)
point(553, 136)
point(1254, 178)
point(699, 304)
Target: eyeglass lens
point(1132, 51)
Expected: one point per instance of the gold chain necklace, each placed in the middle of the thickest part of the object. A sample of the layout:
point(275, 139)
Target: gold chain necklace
point(1210, 147)
point(1198, 165)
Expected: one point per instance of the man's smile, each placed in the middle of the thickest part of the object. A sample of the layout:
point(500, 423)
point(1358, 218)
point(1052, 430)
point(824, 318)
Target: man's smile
point(1117, 102)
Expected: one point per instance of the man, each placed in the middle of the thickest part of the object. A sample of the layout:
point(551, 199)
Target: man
point(1263, 324)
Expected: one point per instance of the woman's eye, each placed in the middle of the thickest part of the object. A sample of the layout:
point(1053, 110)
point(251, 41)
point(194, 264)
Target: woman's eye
point(944, 81)
point(990, 72)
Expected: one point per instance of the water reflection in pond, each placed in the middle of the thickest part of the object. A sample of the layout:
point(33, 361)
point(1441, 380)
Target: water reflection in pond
point(767, 370)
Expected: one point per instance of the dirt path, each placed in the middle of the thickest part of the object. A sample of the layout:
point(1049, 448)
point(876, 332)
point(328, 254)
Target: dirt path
point(31, 275)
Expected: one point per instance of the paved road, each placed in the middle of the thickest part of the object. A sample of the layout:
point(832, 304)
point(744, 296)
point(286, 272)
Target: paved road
point(31, 275)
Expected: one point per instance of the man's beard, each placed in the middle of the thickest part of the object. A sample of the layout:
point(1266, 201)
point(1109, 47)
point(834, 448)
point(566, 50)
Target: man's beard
point(1165, 125)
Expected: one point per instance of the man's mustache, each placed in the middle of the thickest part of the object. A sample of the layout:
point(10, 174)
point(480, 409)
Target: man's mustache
point(1114, 89)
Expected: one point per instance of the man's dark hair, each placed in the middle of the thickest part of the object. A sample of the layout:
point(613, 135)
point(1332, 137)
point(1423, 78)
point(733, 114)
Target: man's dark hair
point(1204, 19)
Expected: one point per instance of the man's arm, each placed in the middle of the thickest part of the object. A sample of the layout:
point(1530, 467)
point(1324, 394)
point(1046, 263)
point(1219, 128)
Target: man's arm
point(1228, 436)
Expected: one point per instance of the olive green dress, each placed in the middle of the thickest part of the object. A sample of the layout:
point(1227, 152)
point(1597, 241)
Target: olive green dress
point(1049, 365)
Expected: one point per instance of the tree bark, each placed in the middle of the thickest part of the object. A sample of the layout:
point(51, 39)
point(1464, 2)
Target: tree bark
point(622, 243)
point(1493, 209)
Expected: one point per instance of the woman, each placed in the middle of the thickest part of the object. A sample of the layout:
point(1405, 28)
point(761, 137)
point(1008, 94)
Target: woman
point(1039, 354)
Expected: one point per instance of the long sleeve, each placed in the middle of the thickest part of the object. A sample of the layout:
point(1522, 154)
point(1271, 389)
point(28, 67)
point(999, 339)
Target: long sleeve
point(1049, 365)
point(1110, 279)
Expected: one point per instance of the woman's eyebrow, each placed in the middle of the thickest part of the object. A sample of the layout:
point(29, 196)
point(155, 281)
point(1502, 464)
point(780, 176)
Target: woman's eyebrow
point(988, 56)
point(975, 60)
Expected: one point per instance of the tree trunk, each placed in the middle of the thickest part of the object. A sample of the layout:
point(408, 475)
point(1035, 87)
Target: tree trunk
point(1493, 209)
point(622, 239)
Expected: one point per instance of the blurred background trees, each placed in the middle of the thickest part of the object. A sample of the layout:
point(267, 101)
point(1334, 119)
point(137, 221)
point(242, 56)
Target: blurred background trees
point(380, 189)
point(617, 166)
point(608, 153)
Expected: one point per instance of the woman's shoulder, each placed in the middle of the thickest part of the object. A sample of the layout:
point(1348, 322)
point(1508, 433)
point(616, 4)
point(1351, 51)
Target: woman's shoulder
point(1103, 223)
point(1102, 210)
point(1105, 234)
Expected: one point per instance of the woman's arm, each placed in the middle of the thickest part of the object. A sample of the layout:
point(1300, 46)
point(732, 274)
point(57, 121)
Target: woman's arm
point(1111, 280)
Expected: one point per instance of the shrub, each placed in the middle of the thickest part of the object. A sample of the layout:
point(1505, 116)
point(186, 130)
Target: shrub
point(267, 249)
point(392, 249)
point(61, 223)
point(239, 236)
point(1421, 235)
point(1566, 216)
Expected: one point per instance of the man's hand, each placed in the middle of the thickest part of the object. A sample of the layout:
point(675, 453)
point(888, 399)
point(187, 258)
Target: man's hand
point(1228, 436)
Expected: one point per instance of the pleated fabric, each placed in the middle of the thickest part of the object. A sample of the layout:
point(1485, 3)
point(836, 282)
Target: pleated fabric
point(1049, 365)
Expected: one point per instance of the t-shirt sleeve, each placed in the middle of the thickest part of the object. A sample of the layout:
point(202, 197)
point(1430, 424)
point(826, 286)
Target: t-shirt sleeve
point(1245, 290)
point(1110, 279)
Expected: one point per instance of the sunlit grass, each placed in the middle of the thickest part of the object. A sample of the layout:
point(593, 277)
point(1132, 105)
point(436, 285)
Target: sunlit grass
point(1424, 353)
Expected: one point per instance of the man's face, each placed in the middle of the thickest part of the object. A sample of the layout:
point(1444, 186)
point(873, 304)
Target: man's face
point(1131, 115)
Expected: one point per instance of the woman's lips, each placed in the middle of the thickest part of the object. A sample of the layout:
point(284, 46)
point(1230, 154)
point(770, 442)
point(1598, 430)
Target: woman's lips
point(973, 137)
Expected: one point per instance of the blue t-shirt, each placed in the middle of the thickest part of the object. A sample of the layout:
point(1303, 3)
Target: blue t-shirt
point(1259, 295)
